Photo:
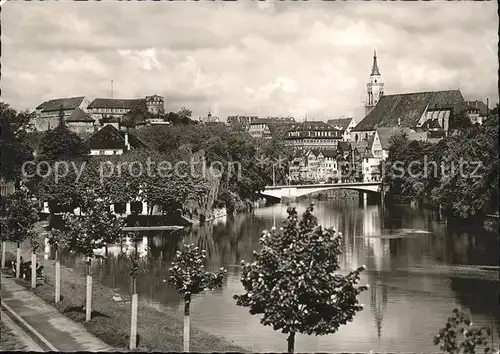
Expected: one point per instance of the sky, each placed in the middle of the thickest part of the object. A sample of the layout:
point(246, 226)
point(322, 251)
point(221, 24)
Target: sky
point(256, 58)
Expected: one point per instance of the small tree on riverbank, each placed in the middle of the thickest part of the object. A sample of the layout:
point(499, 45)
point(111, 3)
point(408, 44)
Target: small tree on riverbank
point(58, 240)
point(21, 216)
point(294, 282)
point(91, 231)
point(459, 322)
point(189, 277)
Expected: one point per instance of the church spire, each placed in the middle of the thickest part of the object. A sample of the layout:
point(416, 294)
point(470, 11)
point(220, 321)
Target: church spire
point(375, 70)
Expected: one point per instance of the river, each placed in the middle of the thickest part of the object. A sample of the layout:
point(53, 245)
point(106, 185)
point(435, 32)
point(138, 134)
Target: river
point(418, 267)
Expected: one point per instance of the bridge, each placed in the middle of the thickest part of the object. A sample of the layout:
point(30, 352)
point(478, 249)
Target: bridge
point(295, 191)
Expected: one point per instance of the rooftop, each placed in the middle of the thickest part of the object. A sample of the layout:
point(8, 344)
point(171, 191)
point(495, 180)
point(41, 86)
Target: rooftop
point(477, 105)
point(341, 123)
point(58, 103)
point(78, 115)
point(117, 103)
point(408, 108)
point(110, 138)
point(314, 125)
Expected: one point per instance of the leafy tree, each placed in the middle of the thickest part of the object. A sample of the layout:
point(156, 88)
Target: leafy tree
point(96, 228)
point(294, 283)
point(460, 323)
point(189, 277)
point(460, 121)
point(14, 143)
point(21, 216)
point(134, 116)
point(62, 144)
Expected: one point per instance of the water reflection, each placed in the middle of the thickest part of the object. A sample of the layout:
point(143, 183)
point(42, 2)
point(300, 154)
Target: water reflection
point(412, 256)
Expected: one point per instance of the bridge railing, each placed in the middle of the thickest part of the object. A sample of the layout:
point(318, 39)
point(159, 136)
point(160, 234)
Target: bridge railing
point(371, 183)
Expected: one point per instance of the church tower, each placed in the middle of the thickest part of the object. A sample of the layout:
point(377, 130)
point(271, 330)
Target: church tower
point(375, 87)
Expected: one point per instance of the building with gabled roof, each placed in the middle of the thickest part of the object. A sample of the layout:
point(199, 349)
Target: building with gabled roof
point(344, 124)
point(80, 122)
point(47, 114)
point(410, 110)
point(101, 108)
point(111, 141)
point(477, 111)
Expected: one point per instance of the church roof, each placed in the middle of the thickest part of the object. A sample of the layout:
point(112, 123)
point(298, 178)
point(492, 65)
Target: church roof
point(408, 108)
point(385, 135)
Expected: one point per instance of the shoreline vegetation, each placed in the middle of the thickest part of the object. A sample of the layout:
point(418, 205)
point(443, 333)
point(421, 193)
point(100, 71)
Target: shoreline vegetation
point(157, 330)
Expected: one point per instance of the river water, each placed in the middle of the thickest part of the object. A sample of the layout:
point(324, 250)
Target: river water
point(419, 267)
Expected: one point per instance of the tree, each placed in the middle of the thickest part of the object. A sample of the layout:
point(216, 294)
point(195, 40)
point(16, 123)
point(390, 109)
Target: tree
point(14, 143)
point(135, 115)
point(189, 277)
point(294, 283)
point(21, 216)
point(460, 121)
point(62, 144)
point(459, 322)
point(93, 230)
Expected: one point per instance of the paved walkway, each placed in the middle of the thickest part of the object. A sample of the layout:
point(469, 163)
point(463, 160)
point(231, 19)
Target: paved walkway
point(49, 327)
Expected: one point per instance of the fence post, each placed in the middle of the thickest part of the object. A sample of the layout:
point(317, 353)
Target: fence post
point(33, 270)
point(88, 308)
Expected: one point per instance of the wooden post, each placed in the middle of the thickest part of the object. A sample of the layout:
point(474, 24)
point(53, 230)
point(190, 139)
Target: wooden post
point(88, 308)
point(133, 319)
point(58, 278)
point(187, 301)
point(18, 261)
point(33, 270)
point(4, 244)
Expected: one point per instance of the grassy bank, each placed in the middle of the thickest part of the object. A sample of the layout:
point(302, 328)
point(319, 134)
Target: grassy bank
point(158, 331)
point(9, 341)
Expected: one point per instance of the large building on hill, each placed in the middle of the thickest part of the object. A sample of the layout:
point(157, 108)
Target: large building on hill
point(113, 107)
point(47, 114)
point(411, 110)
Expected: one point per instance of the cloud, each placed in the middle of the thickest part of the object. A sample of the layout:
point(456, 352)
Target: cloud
point(264, 58)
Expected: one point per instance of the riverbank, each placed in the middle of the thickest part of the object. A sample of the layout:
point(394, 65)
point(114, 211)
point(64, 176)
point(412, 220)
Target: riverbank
point(157, 330)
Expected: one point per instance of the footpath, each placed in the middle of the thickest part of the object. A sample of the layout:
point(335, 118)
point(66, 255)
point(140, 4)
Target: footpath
point(48, 328)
